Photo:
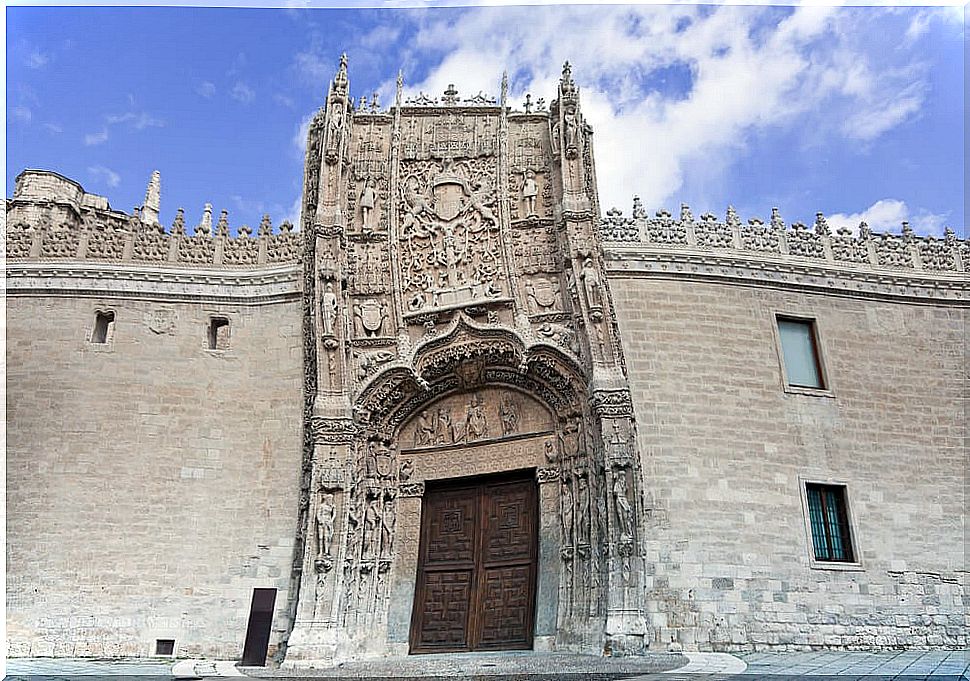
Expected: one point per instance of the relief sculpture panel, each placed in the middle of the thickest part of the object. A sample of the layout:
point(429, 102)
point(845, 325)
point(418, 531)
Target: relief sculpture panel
point(450, 243)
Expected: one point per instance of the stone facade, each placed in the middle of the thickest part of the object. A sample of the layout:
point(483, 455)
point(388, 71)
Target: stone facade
point(453, 305)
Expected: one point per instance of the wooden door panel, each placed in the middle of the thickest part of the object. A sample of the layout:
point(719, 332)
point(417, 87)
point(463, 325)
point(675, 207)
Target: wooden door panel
point(452, 528)
point(507, 608)
point(476, 576)
point(443, 622)
point(509, 523)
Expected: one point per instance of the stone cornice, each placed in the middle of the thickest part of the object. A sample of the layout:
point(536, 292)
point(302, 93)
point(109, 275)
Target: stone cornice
point(788, 272)
point(251, 287)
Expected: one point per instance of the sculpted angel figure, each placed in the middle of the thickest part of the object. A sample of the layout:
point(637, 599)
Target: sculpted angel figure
point(415, 206)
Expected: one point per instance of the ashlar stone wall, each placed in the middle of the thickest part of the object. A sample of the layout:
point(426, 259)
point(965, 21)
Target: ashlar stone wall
point(152, 483)
point(727, 451)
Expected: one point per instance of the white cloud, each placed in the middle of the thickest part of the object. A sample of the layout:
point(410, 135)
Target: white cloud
point(37, 59)
point(283, 100)
point(751, 70)
point(888, 215)
point(206, 89)
point(242, 92)
point(300, 135)
point(22, 114)
point(137, 120)
point(106, 175)
point(53, 128)
point(93, 138)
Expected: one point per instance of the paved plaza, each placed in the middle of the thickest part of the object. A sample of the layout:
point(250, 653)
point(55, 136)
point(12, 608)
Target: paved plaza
point(911, 665)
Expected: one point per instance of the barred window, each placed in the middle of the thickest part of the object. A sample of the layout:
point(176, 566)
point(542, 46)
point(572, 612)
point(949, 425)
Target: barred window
point(829, 519)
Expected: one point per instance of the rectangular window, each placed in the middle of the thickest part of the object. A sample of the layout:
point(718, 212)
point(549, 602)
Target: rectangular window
point(218, 333)
point(104, 323)
point(165, 647)
point(799, 349)
point(829, 519)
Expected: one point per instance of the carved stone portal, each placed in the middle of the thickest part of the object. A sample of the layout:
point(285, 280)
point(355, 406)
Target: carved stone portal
point(458, 324)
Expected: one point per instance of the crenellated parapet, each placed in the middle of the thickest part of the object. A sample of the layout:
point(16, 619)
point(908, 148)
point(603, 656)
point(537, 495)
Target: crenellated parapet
point(52, 218)
point(859, 261)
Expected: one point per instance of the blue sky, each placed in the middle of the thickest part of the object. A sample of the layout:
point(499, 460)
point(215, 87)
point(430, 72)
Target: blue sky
point(857, 112)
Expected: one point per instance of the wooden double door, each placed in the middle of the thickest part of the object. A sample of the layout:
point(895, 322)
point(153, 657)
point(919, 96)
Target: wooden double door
point(477, 565)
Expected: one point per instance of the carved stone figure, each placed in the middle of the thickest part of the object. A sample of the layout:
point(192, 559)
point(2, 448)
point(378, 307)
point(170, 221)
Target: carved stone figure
point(444, 428)
point(530, 190)
point(329, 310)
point(476, 426)
point(508, 412)
point(368, 201)
point(624, 511)
point(387, 527)
point(424, 431)
point(592, 285)
point(326, 514)
point(372, 519)
point(566, 513)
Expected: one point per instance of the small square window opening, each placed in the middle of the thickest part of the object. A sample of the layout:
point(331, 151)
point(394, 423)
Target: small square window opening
point(218, 335)
point(799, 348)
point(165, 647)
point(829, 519)
point(104, 325)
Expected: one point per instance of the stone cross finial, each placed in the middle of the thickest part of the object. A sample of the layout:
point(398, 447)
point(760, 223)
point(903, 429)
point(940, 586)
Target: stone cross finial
point(527, 104)
point(205, 227)
point(153, 197)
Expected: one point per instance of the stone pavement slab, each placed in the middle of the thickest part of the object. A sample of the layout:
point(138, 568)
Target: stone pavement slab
point(499, 666)
point(903, 665)
point(66, 668)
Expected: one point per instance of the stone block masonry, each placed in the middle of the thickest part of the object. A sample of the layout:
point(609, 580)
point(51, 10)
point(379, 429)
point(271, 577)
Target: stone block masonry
point(151, 483)
point(727, 452)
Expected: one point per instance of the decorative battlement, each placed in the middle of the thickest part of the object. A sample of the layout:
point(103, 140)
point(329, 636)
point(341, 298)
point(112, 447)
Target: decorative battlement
point(864, 248)
point(52, 217)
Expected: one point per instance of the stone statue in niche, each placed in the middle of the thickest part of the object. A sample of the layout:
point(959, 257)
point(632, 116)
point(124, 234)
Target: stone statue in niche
point(444, 428)
point(530, 190)
point(368, 203)
point(329, 310)
point(583, 516)
point(566, 513)
point(370, 315)
point(570, 131)
point(424, 430)
point(371, 521)
point(508, 412)
point(326, 514)
point(543, 295)
point(476, 425)
point(624, 511)
point(387, 527)
point(592, 285)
